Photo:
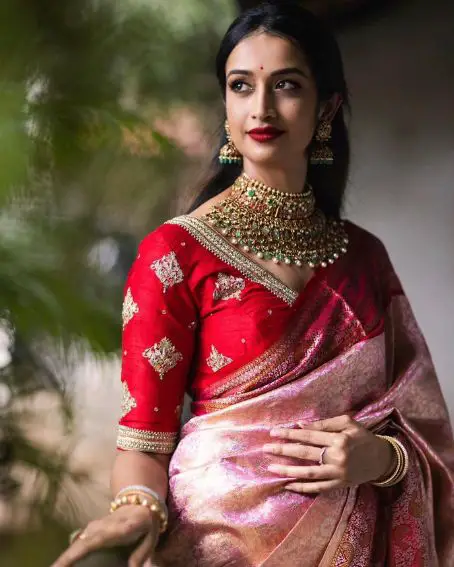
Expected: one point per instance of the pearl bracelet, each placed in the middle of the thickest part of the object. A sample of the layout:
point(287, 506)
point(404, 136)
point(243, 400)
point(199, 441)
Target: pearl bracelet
point(402, 463)
point(141, 488)
point(153, 504)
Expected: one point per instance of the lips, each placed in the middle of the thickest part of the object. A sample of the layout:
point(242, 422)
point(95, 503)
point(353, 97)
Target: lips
point(265, 134)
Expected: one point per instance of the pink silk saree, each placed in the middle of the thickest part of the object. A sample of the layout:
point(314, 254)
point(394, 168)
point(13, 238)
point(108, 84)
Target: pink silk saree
point(227, 509)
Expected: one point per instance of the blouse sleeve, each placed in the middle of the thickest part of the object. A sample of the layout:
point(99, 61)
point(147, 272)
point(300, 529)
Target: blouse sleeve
point(159, 318)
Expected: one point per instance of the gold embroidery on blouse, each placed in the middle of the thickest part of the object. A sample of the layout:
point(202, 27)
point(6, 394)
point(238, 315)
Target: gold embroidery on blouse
point(151, 441)
point(168, 270)
point(256, 376)
point(130, 308)
point(216, 360)
point(127, 401)
point(228, 287)
point(220, 247)
point(163, 356)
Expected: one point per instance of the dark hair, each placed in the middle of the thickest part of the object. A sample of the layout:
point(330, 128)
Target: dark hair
point(287, 18)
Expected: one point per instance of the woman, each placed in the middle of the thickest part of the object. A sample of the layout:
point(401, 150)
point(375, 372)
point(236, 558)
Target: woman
point(319, 434)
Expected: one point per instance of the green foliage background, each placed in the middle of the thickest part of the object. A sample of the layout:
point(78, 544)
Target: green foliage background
point(81, 84)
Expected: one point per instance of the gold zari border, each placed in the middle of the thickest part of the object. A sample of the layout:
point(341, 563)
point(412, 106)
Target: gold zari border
point(132, 439)
point(221, 248)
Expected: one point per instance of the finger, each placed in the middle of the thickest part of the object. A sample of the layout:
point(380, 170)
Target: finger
point(293, 450)
point(313, 487)
point(143, 552)
point(79, 549)
point(319, 472)
point(319, 438)
point(333, 424)
point(94, 538)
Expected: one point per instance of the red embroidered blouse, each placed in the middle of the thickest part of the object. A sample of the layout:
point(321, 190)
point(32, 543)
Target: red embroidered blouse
point(196, 309)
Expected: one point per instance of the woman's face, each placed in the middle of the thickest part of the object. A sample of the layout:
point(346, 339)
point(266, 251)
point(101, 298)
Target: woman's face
point(269, 83)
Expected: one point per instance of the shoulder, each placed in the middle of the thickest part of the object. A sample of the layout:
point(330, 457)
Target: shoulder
point(362, 242)
point(360, 235)
point(165, 252)
point(168, 234)
point(172, 246)
point(369, 254)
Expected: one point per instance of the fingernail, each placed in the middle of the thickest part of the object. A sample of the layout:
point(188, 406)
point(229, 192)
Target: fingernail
point(273, 468)
point(268, 447)
point(274, 433)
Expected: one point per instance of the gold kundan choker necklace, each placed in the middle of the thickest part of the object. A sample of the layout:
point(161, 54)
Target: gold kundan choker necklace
point(278, 226)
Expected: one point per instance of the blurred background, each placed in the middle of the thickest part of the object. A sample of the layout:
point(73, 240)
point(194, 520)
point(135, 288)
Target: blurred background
point(108, 113)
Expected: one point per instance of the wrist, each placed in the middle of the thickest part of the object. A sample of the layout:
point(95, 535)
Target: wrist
point(153, 505)
point(387, 459)
point(135, 510)
point(401, 463)
point(142, 490)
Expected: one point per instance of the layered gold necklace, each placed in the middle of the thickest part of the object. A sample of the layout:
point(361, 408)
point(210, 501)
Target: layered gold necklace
point(278, 226)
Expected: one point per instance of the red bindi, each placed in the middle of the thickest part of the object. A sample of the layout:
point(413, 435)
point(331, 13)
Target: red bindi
point(261, 68)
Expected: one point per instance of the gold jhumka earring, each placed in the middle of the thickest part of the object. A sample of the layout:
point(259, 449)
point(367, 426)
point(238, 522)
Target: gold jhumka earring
point(322, 154)
point(229, 153)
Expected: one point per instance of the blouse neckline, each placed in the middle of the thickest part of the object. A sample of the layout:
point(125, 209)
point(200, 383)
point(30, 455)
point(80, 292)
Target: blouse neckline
point(210, 239)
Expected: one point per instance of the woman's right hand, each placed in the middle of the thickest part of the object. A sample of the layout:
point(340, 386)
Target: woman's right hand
point(123, 527)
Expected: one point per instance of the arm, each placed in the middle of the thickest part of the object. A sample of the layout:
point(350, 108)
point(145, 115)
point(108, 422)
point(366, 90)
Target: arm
point(133, 467)
point(158, 343)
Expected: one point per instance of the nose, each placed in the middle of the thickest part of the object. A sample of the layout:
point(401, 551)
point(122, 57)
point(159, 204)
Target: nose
point(263, 105)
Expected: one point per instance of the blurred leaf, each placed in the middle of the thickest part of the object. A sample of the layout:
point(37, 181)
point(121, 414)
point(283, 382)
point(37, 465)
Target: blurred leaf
point(87, 168)
point(44, 297)
point(15, 143)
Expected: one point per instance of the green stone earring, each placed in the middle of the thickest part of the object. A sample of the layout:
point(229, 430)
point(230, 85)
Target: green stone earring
point(229, 153)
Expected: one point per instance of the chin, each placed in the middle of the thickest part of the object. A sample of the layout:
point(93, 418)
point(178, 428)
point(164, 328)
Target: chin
point(269, 155)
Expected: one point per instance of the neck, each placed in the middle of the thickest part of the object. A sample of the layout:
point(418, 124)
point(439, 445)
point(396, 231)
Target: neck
point(286, 180)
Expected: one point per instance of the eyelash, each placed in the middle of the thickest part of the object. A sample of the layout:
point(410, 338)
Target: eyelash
point(233, 84)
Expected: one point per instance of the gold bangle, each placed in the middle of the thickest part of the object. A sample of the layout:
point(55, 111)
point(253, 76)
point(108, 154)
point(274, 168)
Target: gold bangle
point(147, 501)
point(406, 461)
point(391, 478)
point(402, 463)
point(145, 495)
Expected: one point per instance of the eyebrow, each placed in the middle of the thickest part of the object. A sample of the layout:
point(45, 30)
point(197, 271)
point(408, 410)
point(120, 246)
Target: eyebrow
point(285, 71)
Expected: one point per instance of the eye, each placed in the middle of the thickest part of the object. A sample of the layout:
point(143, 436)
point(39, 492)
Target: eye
point(236, 86)
point(293, 84)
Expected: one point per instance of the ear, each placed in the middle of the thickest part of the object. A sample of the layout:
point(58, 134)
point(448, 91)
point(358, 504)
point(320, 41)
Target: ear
point(329, 108)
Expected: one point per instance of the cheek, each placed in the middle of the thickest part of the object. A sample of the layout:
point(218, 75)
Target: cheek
point(237, 116)
point(300, 114)
point(301, 130)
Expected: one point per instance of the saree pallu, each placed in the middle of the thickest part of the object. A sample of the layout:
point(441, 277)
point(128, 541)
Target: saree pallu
point(227, 509)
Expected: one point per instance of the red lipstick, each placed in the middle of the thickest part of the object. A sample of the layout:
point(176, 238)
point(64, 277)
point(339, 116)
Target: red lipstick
point(265, 134)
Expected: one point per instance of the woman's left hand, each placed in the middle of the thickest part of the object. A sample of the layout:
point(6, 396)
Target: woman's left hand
point(352, 455)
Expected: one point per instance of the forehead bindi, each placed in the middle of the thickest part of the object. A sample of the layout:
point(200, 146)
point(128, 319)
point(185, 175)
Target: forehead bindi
point(252, 52)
